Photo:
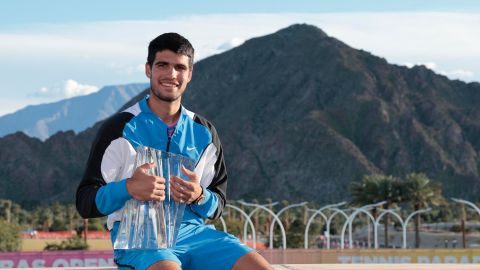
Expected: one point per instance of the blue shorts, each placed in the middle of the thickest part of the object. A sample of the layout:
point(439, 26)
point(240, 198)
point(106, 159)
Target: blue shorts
point(198, 247)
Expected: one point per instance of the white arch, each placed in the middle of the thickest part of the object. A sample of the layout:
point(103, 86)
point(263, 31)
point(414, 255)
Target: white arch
point(253, 212)
point(350, 220)
point(377, 222)
point(272, 225)
point(284, 237)
point(310, 220)
point(337, 211)
point(247, 220)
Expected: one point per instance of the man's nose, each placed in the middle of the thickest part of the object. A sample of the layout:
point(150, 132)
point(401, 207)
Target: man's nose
point(172, 72)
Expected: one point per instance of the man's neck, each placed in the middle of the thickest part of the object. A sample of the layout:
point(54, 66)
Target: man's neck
point(169, 112)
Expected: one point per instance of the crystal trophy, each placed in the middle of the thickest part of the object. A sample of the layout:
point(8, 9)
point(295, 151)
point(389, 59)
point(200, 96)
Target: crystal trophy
point(151, 225)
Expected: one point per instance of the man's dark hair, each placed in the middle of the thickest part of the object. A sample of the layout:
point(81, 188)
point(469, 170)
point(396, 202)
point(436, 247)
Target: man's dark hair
point(172, 42)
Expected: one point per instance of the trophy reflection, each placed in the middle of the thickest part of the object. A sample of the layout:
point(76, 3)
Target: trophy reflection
point(153, 224)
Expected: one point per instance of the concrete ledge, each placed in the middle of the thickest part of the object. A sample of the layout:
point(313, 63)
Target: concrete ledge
point(408, 266)
point(376, 266)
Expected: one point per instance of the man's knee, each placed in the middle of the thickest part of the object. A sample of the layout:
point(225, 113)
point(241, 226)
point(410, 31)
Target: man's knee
point(165, 265)
point(252, 261)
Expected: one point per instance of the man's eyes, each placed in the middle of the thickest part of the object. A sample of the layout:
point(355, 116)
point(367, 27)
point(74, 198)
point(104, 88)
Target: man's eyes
point(180, 67)
point(165, 65)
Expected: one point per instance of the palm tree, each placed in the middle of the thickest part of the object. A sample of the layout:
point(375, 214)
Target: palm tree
point(421, 192)
point(376, 188)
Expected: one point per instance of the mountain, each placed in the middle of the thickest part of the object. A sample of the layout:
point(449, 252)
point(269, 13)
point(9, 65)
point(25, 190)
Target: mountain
point(41, 121)
point(301, 115)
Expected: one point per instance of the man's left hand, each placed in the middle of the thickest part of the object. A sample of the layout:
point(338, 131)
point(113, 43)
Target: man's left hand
point(185, 191)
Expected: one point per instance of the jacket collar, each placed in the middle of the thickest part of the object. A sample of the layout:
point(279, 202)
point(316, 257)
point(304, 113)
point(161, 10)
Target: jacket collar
point(146, 109)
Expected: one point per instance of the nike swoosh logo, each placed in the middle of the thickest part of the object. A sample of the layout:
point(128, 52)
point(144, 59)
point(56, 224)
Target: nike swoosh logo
point(190, 148)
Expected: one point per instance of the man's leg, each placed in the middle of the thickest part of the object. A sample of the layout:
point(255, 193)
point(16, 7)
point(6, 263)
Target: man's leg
point(165, 265)
point(252, 261)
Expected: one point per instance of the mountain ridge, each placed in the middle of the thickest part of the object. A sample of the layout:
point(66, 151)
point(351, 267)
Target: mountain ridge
point(301, 115)
point(43, 120)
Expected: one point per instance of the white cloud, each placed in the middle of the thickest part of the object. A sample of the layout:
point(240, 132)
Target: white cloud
point(232, 43)
point(128, 69)
point(430, 65)
point(68, 89)
point(448, 41)
point(458, 73)
point(454, 74)
point(399, 36)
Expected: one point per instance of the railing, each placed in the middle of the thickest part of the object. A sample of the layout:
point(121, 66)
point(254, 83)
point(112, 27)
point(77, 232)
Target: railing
point(333, 210)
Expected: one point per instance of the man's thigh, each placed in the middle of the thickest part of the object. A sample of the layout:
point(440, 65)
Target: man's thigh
point(207, 248)
point(143, 259)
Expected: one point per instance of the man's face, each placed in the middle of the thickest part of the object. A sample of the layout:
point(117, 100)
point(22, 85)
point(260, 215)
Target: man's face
point(169, 75)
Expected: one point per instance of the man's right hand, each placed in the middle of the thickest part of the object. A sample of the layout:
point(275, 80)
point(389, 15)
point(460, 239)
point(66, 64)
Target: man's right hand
point(146, 187)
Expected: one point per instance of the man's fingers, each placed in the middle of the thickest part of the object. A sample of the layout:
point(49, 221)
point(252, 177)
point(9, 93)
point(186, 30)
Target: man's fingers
point(159, 180)
point(178, 197)
point(146, 167)
point(181, 184)
point(191, 175)
point(156, 197)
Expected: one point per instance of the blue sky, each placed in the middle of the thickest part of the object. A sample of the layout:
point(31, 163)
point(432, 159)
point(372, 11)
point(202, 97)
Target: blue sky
point(52, 50)
point(55, 11)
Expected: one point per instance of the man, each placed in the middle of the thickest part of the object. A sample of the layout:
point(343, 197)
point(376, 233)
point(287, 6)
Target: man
point(161, 122)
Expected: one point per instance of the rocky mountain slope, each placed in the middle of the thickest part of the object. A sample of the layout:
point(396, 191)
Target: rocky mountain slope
point(300, 115)
point(77, 113)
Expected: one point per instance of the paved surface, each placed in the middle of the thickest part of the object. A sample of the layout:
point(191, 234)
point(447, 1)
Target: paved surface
point(325, 267)
point(377, 266)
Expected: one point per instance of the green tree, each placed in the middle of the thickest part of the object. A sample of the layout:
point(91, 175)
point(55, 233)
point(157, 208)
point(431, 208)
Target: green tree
point(421, 192)
point(58, 217)
point(72, 217)
point(295, 234)
point(45, 218)
point(9, 237)
point(6, 210)
point(376, 188)
point(72, 243)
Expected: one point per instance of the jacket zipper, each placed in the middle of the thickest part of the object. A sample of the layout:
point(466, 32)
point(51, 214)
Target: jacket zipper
point(169, 138)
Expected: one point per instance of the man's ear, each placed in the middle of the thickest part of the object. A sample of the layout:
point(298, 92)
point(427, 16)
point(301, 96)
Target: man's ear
point(148, 70)
point(190, 74)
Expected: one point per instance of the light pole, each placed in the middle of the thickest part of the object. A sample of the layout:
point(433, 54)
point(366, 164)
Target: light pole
point(247, 220)
point(337, 211)
point(278, 215)
point(224, 225)
point(284, 237)
point(467, 203)
point(349, 221)
point(464, 216)
point(404, 226)
point(377, 222)
point(318, 212)
point(253, 212)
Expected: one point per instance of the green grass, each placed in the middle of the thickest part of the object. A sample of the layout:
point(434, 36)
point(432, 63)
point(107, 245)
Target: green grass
point(39, 244)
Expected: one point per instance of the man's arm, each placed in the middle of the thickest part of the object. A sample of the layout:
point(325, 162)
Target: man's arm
point(94, 198)
point(214, 173)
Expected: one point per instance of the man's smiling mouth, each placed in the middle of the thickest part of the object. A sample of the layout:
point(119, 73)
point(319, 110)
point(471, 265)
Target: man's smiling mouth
point(169, 84)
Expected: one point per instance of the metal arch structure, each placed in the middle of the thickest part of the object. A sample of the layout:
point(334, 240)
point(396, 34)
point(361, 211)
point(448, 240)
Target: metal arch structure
point(247, 220)
point(404, 226)
point(224, 225)
point(467, 203)
point(377, 222)
point(318, 212)
point(272, 225)
point(349, 224)
point(350, 219)
point(251, 214)
point(282, 229)
point(337, 211)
